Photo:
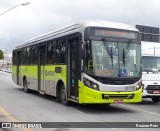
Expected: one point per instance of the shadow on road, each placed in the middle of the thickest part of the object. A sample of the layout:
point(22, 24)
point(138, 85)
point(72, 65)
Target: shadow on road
point(101, 109)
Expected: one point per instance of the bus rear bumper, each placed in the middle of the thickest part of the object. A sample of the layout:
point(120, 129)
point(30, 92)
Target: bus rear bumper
point(91, 96)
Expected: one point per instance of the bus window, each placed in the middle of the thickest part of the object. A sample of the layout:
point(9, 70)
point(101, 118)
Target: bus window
point(28, 56)
point(33, 55)
point(14, 58)
point(60, 51)
point(24, 56)
point(51, 50)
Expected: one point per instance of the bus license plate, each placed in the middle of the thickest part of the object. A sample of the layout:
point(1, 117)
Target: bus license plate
point(118, 101)
point(156, 92)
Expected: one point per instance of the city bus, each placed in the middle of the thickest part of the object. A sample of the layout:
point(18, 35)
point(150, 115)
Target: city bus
point(88, 62)
point(151, 70)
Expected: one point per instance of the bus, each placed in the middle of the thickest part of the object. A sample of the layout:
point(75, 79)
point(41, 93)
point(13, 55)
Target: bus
point(88, 62)
point(151, 71)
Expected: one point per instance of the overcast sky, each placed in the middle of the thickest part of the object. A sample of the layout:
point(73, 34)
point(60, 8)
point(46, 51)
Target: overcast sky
point(41, 16)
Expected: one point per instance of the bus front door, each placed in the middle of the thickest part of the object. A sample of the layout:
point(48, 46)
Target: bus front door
point(41, 68)
point(73, 68)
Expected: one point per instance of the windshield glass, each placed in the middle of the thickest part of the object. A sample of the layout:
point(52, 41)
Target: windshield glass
point(112, 59)
point(150, 62)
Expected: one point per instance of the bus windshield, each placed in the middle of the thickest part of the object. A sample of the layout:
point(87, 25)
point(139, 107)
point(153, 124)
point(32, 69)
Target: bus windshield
point(112, 59)
point(150, 62)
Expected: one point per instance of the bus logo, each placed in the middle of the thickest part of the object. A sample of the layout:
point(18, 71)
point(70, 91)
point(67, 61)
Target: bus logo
point(49, 73)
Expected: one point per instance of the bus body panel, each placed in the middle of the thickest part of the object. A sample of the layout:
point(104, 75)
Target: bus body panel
point(91, 96)
point(30, 73)
point(50, 77)
point(111, 88)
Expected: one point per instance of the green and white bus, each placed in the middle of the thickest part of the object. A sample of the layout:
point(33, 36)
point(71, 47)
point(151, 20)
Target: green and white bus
point(88, 62)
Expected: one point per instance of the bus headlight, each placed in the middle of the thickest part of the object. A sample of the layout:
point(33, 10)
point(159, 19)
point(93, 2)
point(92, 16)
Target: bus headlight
point(90, 84)
point(139, 85)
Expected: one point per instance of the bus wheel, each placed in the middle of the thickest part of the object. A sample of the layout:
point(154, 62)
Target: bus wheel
point(156, 99)
point(25, 86)
point(64, 99)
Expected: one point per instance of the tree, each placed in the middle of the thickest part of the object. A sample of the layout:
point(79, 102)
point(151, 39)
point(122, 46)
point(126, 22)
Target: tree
point(1, 54)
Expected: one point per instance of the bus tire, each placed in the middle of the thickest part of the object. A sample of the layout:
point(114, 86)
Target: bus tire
point(156, 99)
point(25, 86)
point(64, 99)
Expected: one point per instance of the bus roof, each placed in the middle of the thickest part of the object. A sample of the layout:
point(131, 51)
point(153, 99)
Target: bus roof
point(107, 24)
point(77, 26)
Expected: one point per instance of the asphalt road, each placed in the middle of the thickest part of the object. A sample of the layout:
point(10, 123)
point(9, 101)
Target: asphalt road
point(17, 106)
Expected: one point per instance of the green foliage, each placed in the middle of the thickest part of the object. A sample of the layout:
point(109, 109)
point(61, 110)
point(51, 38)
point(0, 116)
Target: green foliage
point(1, 54)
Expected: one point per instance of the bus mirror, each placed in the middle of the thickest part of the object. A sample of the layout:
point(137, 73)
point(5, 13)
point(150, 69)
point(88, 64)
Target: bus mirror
point(82, 50)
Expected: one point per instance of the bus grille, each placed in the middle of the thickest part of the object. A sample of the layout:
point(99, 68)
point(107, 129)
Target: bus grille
point(123, 96)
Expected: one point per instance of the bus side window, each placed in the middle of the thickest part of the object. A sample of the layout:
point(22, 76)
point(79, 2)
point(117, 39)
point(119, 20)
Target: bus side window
point(33, 56)
point(24, 56)
point(28, 55)
point(60, 51)
point(51, 53)
point(14, 58)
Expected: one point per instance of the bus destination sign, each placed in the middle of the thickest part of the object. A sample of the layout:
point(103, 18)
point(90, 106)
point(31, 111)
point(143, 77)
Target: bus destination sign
point(114, 33)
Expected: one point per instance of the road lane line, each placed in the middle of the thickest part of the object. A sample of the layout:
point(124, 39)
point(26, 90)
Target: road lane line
point(6, 114)
point(10, 117)
point(139, 109)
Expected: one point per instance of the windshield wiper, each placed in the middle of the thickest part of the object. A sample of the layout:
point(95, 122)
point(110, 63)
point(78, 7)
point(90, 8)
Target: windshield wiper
point(124, 57)
point(108, 49)
point(127, 49)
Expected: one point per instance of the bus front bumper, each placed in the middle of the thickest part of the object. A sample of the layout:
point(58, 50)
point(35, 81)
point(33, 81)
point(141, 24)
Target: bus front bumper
point(90, 96)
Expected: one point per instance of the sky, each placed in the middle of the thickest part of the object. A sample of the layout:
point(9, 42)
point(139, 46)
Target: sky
point(41, 16)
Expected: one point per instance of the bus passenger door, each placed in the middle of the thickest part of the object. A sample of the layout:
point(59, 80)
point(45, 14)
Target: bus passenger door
point(19, 60)
point(73, 68)
point(41, 68)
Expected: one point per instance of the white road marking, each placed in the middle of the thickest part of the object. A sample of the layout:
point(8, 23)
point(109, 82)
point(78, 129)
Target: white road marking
point(140, 109)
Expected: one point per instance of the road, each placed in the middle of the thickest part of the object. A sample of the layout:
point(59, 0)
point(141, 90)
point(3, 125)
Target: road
point(17, 106)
